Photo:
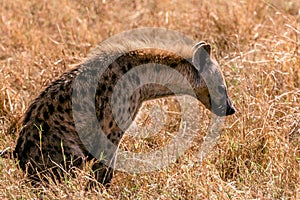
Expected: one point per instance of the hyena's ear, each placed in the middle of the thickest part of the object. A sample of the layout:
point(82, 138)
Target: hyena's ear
point(201, 55)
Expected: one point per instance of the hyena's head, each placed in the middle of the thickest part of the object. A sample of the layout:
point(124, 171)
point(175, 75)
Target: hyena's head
point(214, 94)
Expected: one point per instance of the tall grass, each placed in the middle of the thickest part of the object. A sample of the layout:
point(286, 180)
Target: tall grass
point(257, 45)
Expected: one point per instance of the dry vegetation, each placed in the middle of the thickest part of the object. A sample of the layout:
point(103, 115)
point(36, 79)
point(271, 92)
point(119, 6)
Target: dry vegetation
point(257, 44)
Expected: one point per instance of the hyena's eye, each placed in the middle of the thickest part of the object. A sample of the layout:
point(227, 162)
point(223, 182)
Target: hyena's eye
point(221, 89)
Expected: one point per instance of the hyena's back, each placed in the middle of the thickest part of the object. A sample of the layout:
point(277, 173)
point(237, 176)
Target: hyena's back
point(48, 133)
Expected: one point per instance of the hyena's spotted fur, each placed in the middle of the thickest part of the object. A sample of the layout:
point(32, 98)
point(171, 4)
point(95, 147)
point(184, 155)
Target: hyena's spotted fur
point(49, 142)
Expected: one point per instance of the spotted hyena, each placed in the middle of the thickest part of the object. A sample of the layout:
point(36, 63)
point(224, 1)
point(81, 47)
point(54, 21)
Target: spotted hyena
point(49, 142)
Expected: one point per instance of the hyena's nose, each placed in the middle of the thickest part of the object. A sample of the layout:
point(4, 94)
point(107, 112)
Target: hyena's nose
point(230, 108)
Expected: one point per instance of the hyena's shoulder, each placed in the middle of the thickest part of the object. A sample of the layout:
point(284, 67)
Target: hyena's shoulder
point(55, 98)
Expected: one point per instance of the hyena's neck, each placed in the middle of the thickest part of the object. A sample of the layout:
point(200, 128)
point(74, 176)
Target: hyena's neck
point(148, 74)
point(157, 73)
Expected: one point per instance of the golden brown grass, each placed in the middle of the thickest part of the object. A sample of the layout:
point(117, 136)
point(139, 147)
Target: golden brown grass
point(257, 45)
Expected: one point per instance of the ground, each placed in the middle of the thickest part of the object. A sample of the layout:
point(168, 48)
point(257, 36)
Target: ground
point(257, 46)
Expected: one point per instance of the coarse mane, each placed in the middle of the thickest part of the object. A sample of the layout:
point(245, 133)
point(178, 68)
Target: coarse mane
point(142, 39)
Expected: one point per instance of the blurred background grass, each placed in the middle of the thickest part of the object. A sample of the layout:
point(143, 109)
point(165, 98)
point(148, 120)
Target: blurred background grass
point(255, 42)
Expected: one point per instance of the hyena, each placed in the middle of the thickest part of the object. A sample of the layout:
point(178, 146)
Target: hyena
point(49, 142)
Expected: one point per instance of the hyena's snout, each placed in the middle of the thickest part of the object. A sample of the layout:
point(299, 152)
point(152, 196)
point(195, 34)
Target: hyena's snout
point(226, 108)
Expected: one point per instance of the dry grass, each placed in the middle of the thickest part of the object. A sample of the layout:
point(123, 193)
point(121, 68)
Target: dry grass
point(257, 44)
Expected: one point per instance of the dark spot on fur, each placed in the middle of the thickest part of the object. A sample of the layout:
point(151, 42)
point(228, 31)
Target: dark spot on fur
point(60, 108)
point(61, 87)
point(104, 99)
point(38, 120)
point(36, 136)
point(51, 109)
point(173, 65)
point(114, 77)
point(129, 66)
point(40, 107)
point(72, 141)
point(61, 99)
point(105, 78)
point(68, 110)
point(110, 88)
point(146, 60)
point(114, 141)
point(42, 94)
point(55, 137)
point(46, 115)
point(110, 124)
point(63, 128)
point(99, 91)
point(67, 97)
point(54, 93)
point(46, 127)
point(71, 123)
point(125, 68)
point(33, 106)
point(100, 114)
point(66, 149)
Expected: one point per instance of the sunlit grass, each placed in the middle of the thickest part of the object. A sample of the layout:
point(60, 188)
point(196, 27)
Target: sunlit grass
point(257, 45)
